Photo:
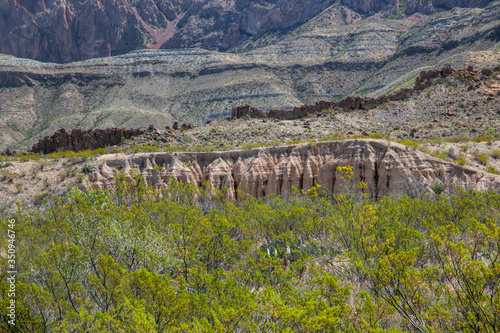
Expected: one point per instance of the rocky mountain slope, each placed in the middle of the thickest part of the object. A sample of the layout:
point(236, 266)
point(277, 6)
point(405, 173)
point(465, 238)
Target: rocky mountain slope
point(72, 30)
point(447, 132)
point(335, 54)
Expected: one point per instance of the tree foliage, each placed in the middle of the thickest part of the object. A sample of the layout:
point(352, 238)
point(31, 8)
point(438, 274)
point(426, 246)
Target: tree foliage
point(183, 259)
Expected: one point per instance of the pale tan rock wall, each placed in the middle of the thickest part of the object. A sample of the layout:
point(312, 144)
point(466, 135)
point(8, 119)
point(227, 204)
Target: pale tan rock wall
point(387, 168)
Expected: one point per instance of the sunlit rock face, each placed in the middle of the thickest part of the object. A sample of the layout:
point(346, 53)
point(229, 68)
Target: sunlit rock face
point(71, 30)
point(387, 168)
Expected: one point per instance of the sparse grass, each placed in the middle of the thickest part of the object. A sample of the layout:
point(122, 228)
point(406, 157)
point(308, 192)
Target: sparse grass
point(30, 157)
point(253, 145)
point(461, 159)
point(167, 149)
point(67, 173)
point(40, 198)
point(491, 169)
point(332, 137)
point(204, 148)
point(439, 154)
point(5, 165)
point(35, 170)
point(142, 149)
point(8, 176)
point(482, 158)
point(84, 154)
point(409, 143)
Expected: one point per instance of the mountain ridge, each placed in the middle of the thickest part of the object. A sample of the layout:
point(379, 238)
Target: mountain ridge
point(72, 30)
point(334, 55)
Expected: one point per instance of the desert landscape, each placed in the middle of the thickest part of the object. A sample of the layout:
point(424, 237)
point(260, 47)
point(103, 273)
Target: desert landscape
point(250, 166)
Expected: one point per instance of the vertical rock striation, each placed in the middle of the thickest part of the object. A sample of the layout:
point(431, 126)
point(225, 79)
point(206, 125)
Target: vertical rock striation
point(387, 168)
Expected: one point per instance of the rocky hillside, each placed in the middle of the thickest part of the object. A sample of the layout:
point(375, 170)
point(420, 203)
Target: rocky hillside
point(335, 54)
point(446, 132)
point(72, 30)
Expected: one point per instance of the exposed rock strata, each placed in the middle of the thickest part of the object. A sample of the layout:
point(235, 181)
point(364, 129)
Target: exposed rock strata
point(70, 30)
point(372, 57)
point(412, 6)
point(387, 168)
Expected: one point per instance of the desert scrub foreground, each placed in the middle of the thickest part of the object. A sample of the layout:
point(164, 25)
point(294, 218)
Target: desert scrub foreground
point(189, 261)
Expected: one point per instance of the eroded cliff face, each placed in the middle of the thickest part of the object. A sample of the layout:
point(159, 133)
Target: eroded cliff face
point(71, 30)
point(387, 168)
point(412, 6)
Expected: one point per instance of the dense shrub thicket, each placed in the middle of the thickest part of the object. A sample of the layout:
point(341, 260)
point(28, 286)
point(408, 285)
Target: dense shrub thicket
point(188, 261)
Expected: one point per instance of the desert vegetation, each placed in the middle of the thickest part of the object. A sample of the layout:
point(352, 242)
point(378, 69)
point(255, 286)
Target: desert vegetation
point(184, 259)
point(356, 103)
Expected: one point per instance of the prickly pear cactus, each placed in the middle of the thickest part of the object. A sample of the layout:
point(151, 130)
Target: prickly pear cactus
point(292, 250)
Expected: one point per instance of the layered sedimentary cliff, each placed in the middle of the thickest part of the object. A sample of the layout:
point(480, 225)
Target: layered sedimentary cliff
point(70, 30)
point(411, 6)
point(386, 167)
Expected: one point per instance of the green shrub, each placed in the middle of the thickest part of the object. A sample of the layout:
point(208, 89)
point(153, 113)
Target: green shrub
point(410, 143)
point(481, 157)
point(438, 187)
point(492, 170)
point(252, 145)
point(88, 168)
point(461, 160)
point(187, 259)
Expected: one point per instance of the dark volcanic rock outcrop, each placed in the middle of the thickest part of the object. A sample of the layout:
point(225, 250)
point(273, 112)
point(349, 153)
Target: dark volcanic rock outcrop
point(79, 139)
point(355, 102)
point(247, 110)
point(348, 103)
